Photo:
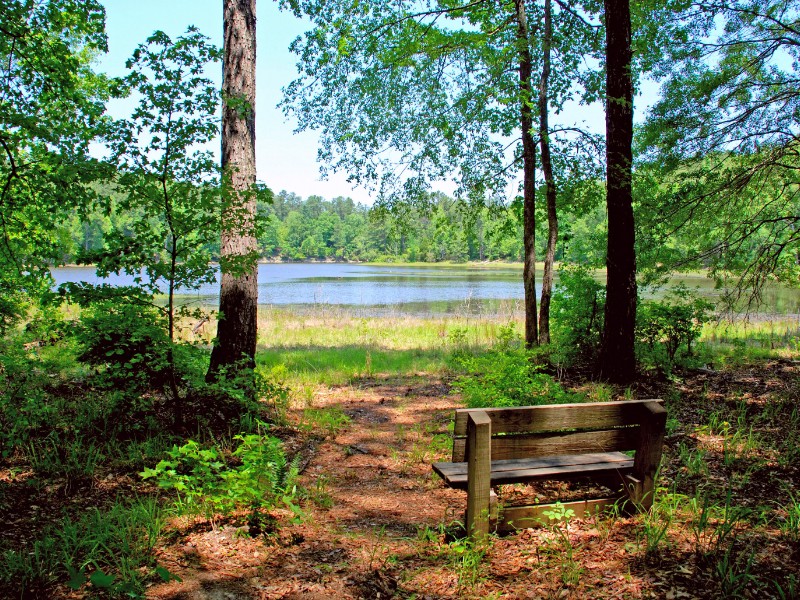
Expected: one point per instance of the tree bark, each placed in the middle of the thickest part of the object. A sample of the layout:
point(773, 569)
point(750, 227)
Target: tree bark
point(549, 180)
point(617, 359)
point(236, 330)
point(529, 177)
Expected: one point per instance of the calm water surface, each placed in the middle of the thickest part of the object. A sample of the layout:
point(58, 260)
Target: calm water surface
point(396, 289)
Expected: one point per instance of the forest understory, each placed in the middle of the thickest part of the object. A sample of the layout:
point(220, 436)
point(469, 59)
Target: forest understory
point(373, 521)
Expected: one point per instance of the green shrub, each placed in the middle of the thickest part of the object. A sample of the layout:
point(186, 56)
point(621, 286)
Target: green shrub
point(508, 377)
point(204, 479)
point(129, 341)
point(665, 328)
point(577, 318)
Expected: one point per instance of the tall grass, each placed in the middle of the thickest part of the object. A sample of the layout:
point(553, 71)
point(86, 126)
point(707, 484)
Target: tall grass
point(335, 346)
point(752, 339)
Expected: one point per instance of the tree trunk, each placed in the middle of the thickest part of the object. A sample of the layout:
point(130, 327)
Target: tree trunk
point(236, 330)
point(549, 180)
point(529, 177)
point(617, 360)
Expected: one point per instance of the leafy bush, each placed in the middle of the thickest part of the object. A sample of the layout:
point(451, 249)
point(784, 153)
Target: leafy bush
point(204, 479)
point(576, 317)
point(13, 305)
point(129, 341)
point(508, 377)
point(666, 327)
point(129, 344)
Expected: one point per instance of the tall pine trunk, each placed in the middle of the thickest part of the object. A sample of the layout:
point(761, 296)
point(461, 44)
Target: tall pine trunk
point(236, 331)
point(617, 359)
point(549, 180)
point(529, 176)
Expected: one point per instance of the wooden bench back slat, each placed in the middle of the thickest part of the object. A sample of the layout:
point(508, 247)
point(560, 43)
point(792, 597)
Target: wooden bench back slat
point(549, 444)
point(533, 419)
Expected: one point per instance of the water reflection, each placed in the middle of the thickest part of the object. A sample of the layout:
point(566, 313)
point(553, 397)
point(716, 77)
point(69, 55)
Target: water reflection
point(389, 290)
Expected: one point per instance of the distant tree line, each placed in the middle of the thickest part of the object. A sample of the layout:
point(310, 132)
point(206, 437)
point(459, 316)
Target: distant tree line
point(314, 228)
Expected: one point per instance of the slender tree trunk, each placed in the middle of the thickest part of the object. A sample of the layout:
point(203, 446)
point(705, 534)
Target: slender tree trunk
point(177, 407)
point(236, 331)
point(549, 180)
point(618, 360)
point(529, 177)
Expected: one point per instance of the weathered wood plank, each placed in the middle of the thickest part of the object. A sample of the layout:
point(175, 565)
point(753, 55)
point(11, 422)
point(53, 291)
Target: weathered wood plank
point(447, 468)
point(581, 415)
point(560, 461)
point(553, 444)
point(522, 517)
point(479, 436)
point(648, 453)
point(457, 477)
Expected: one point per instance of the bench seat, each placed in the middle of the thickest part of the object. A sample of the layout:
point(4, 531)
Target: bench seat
point(559, 468)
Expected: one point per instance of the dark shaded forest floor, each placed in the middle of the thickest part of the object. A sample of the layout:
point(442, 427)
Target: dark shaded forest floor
point(726, 523)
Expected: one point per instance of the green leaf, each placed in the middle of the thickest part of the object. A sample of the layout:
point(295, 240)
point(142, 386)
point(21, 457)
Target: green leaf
point(76, 579)
point(166, 575)
point(101, 580)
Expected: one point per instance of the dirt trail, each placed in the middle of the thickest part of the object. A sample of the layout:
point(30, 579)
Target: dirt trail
point(374, 508)
point(372, 491)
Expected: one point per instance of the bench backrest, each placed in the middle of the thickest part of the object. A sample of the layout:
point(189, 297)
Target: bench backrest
point(532, 431)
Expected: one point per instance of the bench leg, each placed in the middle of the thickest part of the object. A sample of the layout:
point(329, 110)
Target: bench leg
point(641, 487)
point(479, 456)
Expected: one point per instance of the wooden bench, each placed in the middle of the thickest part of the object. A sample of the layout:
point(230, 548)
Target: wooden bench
point(495, 446)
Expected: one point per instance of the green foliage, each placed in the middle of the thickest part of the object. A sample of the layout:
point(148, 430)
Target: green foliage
point(467, 559)
point(271, 389)
point(51, 109)
point(559, 517)
point(204, 479)
point(63, 456)
point(165, 173)
point(577, 316)
point(129, 342)
point(657, 520)
point(713, 526)
point(723, 147)
point(313, 228)
point(450, 95)
point(168, 180)
point(790, 525)
point(508, 377)
point(665, 327)
point(110, 550)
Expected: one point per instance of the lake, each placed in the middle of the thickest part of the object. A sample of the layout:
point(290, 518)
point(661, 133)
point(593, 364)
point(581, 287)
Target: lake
point(373, 290)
